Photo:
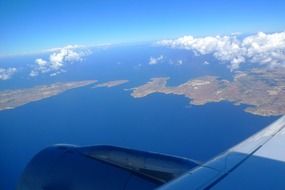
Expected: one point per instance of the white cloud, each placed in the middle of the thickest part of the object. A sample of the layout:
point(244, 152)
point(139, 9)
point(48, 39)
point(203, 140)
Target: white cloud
point(41, 62)
point(57, 60)
point(206, 62)
point(155, 60)
point(6, 74)
point(266, 48)
point(259, 48)
point(179, 62)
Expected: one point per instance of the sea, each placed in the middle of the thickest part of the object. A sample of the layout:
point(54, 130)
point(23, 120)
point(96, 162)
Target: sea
point(111, 116)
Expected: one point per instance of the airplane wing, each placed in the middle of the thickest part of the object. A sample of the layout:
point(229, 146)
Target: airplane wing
point(256, 163)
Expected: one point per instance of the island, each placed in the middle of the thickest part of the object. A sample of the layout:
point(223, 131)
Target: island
point(10, 99)
point(110, 84)
point(261, 90)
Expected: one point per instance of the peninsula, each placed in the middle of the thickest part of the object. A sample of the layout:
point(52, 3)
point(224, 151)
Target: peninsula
point(262, 90)
point(10, 99)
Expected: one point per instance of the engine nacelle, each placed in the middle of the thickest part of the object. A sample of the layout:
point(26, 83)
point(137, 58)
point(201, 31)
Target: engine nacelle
point(65, 167)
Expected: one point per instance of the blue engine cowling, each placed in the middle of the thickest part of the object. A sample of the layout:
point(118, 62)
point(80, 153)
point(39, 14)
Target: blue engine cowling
point(65, 167)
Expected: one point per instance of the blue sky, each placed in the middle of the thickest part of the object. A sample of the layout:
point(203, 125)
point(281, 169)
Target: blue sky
point(34, 25)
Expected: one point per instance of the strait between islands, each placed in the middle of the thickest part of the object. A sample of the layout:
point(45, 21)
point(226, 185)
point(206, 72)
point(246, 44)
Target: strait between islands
point(10, 99)
point(261, 90)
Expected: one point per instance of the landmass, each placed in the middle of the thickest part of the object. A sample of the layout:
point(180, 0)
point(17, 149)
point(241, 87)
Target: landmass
point(261, 90)
point(10, 99)
point(110, 84)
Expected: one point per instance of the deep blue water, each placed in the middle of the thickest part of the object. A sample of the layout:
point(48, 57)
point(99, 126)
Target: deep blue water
point(110, 116)
point(86, 116)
